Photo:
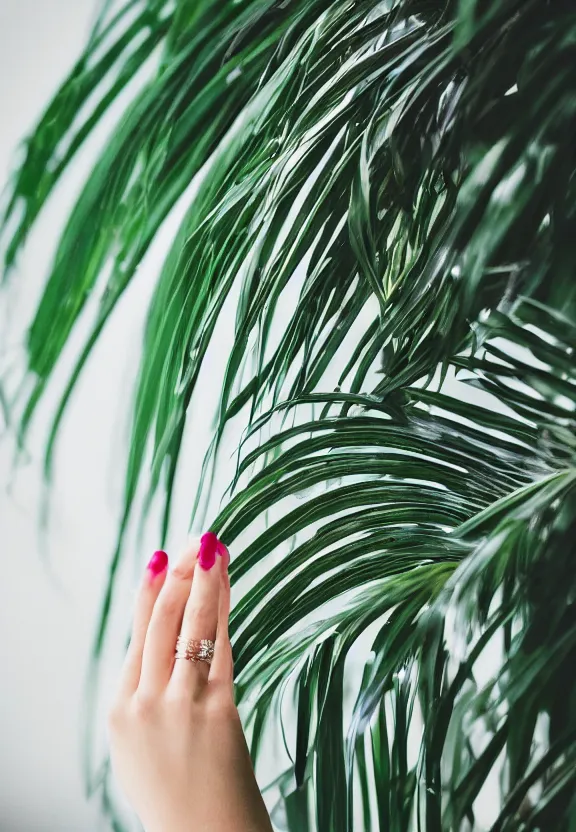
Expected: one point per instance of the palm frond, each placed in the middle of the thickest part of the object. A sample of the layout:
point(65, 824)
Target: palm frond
point(445, 585)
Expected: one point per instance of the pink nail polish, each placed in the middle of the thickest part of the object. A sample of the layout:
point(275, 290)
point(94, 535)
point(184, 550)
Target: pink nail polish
point(158, 563)
point(208, 549)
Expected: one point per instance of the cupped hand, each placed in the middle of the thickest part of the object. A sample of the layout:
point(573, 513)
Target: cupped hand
point(177, 745)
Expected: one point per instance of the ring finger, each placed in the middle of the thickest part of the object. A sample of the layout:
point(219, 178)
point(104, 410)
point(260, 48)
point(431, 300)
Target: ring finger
point(201, 614)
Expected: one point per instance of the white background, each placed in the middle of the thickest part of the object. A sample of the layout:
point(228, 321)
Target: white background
point(48, 613)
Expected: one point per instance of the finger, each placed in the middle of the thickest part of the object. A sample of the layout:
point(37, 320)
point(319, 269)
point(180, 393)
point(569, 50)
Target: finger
point(222, 668)
point(201, 615)
point(166, 621)
point(152, 583)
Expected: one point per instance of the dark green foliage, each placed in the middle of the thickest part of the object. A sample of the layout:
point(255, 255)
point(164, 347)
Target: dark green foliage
point(414, 162)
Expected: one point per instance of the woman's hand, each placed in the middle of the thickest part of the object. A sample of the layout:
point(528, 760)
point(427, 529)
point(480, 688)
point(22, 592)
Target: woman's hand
point(177, 745)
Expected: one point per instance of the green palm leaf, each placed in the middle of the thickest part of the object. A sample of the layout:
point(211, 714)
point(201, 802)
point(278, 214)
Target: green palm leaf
point(409, 167)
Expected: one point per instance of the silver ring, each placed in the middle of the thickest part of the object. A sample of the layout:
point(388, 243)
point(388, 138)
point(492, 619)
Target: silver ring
point(194, 649)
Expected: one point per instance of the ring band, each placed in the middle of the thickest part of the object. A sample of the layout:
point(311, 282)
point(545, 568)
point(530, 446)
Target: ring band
point(195, 650)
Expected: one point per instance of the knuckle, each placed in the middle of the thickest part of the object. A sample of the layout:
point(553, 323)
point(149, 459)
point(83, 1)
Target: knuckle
point(145, 707)
point(183, 569)
point(178, 701)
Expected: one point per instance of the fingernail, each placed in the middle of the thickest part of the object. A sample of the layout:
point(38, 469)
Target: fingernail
point(158, 562)
point(208, 549)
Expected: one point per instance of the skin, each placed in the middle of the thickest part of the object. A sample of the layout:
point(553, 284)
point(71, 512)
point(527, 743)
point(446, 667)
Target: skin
point(177, 745)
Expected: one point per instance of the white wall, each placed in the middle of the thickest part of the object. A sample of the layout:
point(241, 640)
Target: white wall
point(47, 613)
